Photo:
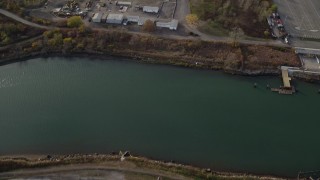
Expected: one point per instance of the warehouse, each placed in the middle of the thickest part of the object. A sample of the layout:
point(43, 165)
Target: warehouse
point(150, 9)
point(115, 19)
point(172, 25)
point(97, 17)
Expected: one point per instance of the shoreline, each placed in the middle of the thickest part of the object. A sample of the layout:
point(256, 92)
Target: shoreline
point(310, 78)
point(15, 164)
point(240, 59)
point(138, 59)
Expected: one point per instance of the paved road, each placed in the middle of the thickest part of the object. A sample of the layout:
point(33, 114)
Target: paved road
point(19, 19)
point(203, 36)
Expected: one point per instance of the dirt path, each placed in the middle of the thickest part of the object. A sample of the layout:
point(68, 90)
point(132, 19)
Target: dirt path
point(85, 168)
point(20, 42)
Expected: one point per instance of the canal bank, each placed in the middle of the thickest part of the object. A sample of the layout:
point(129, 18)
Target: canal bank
point(212, 120)
point(84, 165)
point(232, 58)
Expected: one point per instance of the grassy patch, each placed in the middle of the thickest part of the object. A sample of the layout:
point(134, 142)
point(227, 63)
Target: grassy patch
point(213, 28)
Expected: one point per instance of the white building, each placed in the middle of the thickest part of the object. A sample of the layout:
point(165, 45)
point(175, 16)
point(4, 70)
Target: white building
point(97, 17)
point(115, 18)
point(123, 3)
point(150, 9)
point(172, 25)
point(133, 19)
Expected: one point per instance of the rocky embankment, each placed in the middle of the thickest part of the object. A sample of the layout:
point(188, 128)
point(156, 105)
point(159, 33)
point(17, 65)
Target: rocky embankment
point(230, 57)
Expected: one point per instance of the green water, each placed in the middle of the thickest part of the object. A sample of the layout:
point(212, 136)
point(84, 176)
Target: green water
point(204, 118)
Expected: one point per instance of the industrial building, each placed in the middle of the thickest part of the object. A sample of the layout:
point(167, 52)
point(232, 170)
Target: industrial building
point(150, 9)
point(115, 19)
point(172, 25)
point(97, 17)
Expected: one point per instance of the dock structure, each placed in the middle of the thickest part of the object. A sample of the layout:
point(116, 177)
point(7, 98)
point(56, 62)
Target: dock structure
point(287, 88)
point(285, 77)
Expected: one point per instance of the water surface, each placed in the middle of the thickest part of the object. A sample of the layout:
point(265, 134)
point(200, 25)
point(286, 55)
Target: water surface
point(204, 118)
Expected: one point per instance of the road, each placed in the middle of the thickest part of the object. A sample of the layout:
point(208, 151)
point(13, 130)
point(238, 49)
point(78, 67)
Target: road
point(19, 19)
point(202, 36)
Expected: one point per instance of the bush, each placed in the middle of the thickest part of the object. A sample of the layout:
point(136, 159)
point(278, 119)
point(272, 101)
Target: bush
point(192, 19)
point(274, 8)
point(149, 26)
point(74, 22)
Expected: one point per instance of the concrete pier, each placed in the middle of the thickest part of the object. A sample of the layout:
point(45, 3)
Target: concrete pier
point(285, 77)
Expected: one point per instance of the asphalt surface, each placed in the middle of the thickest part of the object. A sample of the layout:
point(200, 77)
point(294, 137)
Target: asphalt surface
point(300, 17)
point(19, 19)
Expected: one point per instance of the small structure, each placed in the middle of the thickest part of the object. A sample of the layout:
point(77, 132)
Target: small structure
point(172, 25)
point(134, 19)
point(115, 18)
point(131, 19)
point(97, 17)
point(123, 9)
point(56, 10)
point(123, 3)
point(150, 9)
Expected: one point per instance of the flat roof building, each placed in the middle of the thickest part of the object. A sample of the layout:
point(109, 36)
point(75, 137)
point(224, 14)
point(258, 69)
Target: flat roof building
point(172, 25)
point(97, 17)
point(150, 9)
point(115, 18)
point(123, 3)
point(134, 19)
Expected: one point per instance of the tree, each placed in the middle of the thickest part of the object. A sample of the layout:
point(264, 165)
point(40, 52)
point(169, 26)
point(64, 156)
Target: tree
point(67, 40)
point(273, 8)
point(192, 19)
point(266, 33)
point(56, 41)
point(74, 22)
point(149, 26)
